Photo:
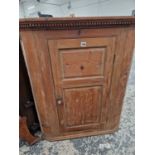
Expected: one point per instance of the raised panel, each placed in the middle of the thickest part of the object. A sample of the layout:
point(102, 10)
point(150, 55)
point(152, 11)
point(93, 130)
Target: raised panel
point(82, 62)
point(82, 106)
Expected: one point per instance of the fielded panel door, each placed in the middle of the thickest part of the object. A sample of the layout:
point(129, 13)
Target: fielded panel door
point(82, 70)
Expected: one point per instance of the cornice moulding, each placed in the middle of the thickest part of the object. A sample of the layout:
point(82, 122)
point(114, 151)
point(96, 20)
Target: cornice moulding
point(68, 23)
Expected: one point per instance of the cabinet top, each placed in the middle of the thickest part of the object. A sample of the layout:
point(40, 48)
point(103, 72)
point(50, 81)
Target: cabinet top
point(68, 23)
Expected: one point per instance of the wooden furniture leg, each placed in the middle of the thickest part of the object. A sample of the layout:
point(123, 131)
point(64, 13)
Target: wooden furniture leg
point(24, 132)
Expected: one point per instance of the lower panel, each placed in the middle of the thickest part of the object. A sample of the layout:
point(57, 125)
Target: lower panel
point(82, 106)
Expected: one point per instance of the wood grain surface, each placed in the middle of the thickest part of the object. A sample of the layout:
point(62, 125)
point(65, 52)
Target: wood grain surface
point(78, 76)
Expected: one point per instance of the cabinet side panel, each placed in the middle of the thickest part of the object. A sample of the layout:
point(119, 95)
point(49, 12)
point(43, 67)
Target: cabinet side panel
point(37, 74)
point(124, 53)
point(28, 49)
point(48, 83)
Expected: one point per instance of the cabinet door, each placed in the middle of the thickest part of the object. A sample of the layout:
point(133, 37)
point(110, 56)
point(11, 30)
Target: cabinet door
point(82, 70)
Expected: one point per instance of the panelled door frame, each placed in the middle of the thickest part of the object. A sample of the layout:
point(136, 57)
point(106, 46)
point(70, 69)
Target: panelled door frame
point(108, 44)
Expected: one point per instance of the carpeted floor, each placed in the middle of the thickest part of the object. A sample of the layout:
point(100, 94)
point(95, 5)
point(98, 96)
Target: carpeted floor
point(121, 142)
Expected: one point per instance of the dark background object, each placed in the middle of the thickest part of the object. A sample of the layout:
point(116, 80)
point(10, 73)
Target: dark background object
point(133, 12)
point(43, 15)
point(24, 132)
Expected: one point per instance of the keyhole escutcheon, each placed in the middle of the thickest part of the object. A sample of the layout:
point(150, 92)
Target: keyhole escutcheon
point(81, 67)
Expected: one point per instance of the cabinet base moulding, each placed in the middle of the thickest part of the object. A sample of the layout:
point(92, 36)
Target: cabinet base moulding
point(79, 134)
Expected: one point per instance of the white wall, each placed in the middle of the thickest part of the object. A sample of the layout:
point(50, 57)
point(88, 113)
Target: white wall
point(31, 7)
point(103, 8)
point(78, 7)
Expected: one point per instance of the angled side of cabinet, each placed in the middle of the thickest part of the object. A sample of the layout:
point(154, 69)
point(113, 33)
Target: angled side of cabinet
point(26, 102)
point(78, 70)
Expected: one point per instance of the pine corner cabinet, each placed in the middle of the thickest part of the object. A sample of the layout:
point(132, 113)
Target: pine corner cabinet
point(78, 70)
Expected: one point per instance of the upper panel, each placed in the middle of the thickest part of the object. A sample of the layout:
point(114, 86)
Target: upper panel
point(82, 62)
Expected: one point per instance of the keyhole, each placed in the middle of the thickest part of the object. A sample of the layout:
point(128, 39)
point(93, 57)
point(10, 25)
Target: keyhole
point(81, 67)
